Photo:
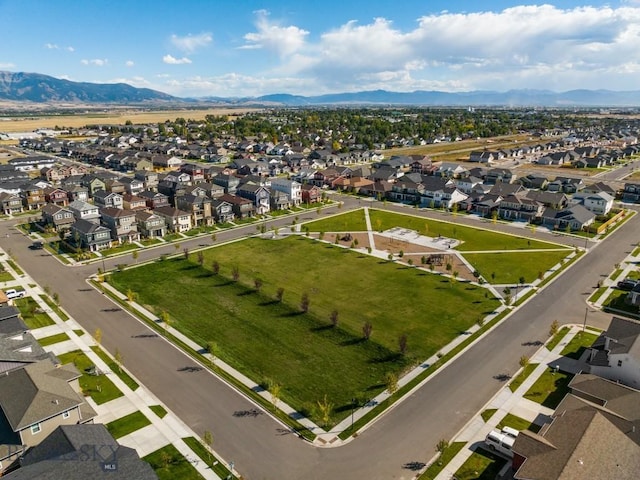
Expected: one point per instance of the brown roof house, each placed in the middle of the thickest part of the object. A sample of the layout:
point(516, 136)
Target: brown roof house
point(34, 401)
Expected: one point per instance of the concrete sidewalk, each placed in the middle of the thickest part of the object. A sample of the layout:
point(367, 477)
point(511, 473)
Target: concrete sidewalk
point(508, 402)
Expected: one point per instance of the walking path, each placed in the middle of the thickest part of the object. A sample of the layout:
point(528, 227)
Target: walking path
point(507, 402)
point(168, 430)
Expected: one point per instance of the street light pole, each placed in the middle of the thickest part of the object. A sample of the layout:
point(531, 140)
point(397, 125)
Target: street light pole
point(353, 407)
point(584, 325)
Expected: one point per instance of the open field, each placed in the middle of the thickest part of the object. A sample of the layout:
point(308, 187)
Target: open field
point(169, 464)
point(508, 267)
point(307, 356)
point(28, 124)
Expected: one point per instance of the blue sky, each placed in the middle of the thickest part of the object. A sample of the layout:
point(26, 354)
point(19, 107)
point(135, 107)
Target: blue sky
point(251, 48)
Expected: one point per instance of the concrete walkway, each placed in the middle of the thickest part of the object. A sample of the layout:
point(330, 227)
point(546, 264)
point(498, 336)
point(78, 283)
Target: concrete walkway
point(508, 402)
point(168, 430)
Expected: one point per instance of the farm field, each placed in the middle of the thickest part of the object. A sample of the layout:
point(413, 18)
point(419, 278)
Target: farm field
point(307, 356)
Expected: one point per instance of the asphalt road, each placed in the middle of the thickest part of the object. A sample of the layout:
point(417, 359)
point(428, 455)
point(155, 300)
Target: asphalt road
point(261, 447)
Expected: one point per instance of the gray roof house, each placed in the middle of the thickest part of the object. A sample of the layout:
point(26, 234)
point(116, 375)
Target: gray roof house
point(90, 235)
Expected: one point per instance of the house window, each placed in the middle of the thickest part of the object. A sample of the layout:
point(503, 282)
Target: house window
point(35, 428)
point(66, 414)
point(619, 363)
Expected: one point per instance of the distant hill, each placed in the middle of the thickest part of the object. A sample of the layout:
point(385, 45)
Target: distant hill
point(34, 87)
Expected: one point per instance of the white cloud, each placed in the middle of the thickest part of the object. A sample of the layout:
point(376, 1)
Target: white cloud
point(129, 63)
point(7, 65)
point(51, 46)
point(98, 62)
point(175, 61)
point(283, 41)
point(71, 49)
point(236, 85)
point(190, 43)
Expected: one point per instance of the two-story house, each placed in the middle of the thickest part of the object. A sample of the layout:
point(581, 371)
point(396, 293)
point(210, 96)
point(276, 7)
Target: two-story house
point(177, 221)
point(222, 211)
point(133, 202)
point(122, 224)
point(310, 193)
point(519, 207)
point(11, 203)
point(258, 194)
point(199, 206)
point(32, 197)
point(241, 207)
point(154, 199)
point(85, 211)
point(150, 225)
point(631, 193)
point(599, 203)
point(132, 186)
point(91, 236)
point(103, 198)
point(292, 188)
point(57, 217)
point(149, 178)
point(57, 196)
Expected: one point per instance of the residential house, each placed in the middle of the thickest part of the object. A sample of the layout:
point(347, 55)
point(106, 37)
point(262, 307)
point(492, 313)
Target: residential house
point(89, 235)
point(177, 221)
point(199, 206)
point(499, 175)
point(94, 183)
point(34, 401)
point(136, 164)
point(11, 203)
point(115, 186)
point(122, 224)
point(292, 188)
point(633, 297)
point(18, 347)
point(228, 182)
point(57, 217)
point(520, 208)
point(77, 192)
point(615, 353)
point(195, 172)
point(258, 194)
point(600, 187)
point(242, 207)
point(32, 197)
point(631, 193)
point(421, 164)
point(379, 190)
point(80, 452)
point(451, 170)
point(467, 184)
point(132, 186)
point(566, 185)
point(594, 433)
point(310, 193)
point(555, 200)
point(150, 225)
point(599, 203)
point(85, 211)
point(573, 218)
point(148, 177)
point(154, 199)
point(57, 196)
point(166, 162)
point(533, 181)
point(483, 156)
point(440, 192)
point(133, 202)
point(222, 211)
point(103, 198)
point(407, 190)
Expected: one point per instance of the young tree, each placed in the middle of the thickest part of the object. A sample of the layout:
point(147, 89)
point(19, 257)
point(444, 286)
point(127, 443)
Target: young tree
point(235, 273)
point(304, 302)
point(207, 439)
point(215, 267)
point(214, 350)
point(553, 329)
point(279, 294)
point(325, 408)
point(391, 381)
point(367, 328)
point(134, 256)
point(131, 295)
point(97, 336)
point(275, 391)
point(449, 266)
point(257, 283)
point(185, 252)
point(200, 257)
point(402, 344)
point(119, 359)
point(214, 237)
point(333, 316)
point(524, 361)
point(56, 298)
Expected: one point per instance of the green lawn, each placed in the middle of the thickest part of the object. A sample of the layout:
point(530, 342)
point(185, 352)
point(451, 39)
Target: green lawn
point(481, 465)
point(119, 249)
point(510, 266)
point(46, 299)
point(488, 413)
point(578, 344)
point(124, 376)
point(518, 423)
point(170, 464)
point(5, 276)
point(550, 388)
point(472, 238)
point(597, 294)
point(127, 424)
point(15, 267)
point(616, 300)
point(148, 242)
point(99, 387)
point(445, 457)
point(79, 332)
point(159, 410)
point(353, 221)
point(31, 313)
point(557, 338)
point(250, 326)
point(522, 376)
point(201, 451)
point(60, 337)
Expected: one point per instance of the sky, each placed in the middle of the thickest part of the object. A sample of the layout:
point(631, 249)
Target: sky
point(238, 48)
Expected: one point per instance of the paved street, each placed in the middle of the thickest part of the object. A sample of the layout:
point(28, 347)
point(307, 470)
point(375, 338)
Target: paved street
point(261, 447)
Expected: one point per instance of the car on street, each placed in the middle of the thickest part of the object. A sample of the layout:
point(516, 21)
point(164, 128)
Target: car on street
point(37, 245)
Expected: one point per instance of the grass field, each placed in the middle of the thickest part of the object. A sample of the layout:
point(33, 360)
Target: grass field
point(508, 267)
point(481, 465)
point(53, 339)
point(578, 344)
point(130, 382)
point(159, 410)
point(445, 457)
point(31, 314)
point(550, 388)
point(99, 387)
point(522, 376)
point(201, 451)
point(170, 464)
point(308, 357)
point(353, 221)
point(127, 424)
point(518, 423)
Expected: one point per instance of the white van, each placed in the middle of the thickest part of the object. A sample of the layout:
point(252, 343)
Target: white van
point(501, 442)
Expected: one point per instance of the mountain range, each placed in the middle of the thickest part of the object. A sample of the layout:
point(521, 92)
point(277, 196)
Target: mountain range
point(38, 88)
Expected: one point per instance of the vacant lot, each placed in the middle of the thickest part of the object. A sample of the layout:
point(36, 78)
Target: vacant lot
point(273, 341)
point(508, 267)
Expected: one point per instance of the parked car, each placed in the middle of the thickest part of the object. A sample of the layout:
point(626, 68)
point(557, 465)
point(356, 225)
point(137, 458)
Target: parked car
point(627, 284)
point(13, 293)
point(500, 442)
point(37, 245)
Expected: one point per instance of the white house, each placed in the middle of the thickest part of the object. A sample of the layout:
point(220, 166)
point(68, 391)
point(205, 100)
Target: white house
point(599, 203)
point(290, 187)
point(616, 353)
